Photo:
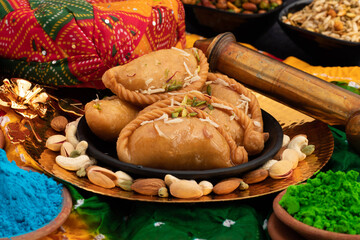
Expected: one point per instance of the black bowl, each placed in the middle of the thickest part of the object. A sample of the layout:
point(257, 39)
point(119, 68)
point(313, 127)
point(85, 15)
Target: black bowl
point(209, 22)
point(318, 45)
point(106, 155)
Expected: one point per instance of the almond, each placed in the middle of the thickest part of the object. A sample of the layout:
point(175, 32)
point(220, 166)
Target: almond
point(148, 186)
point(255, 176)
point(227, 186)
point(101, 176)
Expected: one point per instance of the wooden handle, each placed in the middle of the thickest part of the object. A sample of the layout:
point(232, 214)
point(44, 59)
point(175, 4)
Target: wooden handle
point(304, 92)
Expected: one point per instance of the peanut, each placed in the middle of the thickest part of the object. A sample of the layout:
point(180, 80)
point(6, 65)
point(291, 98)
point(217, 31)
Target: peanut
point(249, 6)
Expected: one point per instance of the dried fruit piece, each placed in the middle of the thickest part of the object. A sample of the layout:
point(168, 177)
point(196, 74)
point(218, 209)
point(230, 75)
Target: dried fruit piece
point(227, 186)
point(255, 176)
point(59, 123)
point(148, 186)
point(101, 176)
point(55, 142)
point(281, 169)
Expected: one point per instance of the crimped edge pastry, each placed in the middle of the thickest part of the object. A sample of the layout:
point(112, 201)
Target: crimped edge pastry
point(254, 106)
point(253, 140)
point(110, 81)
point(238, 154)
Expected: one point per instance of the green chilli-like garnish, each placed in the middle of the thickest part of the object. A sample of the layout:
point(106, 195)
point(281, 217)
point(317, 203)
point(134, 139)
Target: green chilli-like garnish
point(208, 90)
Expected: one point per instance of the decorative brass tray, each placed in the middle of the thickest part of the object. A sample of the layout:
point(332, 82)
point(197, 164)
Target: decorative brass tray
point(292, 122)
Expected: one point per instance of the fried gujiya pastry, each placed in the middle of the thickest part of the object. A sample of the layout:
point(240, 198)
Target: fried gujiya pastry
point(233, 120)
point(231, 91)
point(108, 116)
point(153, 76)
point(190, 141)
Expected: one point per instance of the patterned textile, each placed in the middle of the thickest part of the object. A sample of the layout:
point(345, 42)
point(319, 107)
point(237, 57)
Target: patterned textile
point(73, 42)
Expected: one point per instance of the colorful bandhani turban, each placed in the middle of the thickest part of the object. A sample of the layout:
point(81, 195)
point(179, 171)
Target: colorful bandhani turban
point(73, 42)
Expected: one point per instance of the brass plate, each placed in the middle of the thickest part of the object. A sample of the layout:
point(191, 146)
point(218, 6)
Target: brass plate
point(293, 123)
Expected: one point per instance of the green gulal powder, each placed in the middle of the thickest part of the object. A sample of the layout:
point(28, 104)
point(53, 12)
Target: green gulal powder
point(330, 201)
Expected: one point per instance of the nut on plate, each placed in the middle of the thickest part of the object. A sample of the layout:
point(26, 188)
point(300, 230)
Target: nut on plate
point(255, 176)
point(206, 187)
point(281, 169)
point(148, 186)
point(59, 123)
point(186, 189)
point(227, 186)
point(55, 142)
point(66, 149)
point(101, 176)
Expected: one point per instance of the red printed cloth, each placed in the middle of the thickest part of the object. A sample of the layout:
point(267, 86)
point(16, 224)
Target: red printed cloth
point(73, 42)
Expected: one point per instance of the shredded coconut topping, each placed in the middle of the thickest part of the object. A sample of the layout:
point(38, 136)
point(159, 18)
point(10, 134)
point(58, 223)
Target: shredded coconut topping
point(257, 123)
point(221, 82)
point(182, 51)
point(174, 120)
point(152, 90)
point(207, 119)
point(233, 116)
point(243, 105)
point(182, 93)
point(147, 82)
point(245, 98)
point(161, 134)
point(219, 105)
point(187, 69)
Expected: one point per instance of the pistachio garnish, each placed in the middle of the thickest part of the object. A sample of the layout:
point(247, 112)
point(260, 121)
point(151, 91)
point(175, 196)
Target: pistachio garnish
point(208, 90)
point(97, 106)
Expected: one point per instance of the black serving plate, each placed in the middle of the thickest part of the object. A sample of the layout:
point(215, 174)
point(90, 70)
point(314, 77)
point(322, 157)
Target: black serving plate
point(105, 154)
point(209, 22)
point(318, 45)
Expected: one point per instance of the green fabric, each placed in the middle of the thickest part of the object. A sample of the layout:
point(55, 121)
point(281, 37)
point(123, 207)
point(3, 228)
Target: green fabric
point(344, 157)
point(169, 221)
point(131, 220)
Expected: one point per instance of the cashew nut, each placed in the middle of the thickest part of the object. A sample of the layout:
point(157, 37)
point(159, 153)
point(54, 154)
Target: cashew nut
point(73, 164)
point(268, 164)
point(70, 133)
point(170, 179)
point(206, 187)
point(286, 140)
point(297, 143)
point(185, 189)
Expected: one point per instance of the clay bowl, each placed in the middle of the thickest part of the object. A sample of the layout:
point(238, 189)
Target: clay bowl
point(306, 231)
point(51, 226)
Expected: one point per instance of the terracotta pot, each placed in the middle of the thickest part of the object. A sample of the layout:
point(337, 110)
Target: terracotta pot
point(307, 231)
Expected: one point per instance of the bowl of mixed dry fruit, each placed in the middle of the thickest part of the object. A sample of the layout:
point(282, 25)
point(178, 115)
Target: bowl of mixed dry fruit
point(324, 28)
point(247, 19)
